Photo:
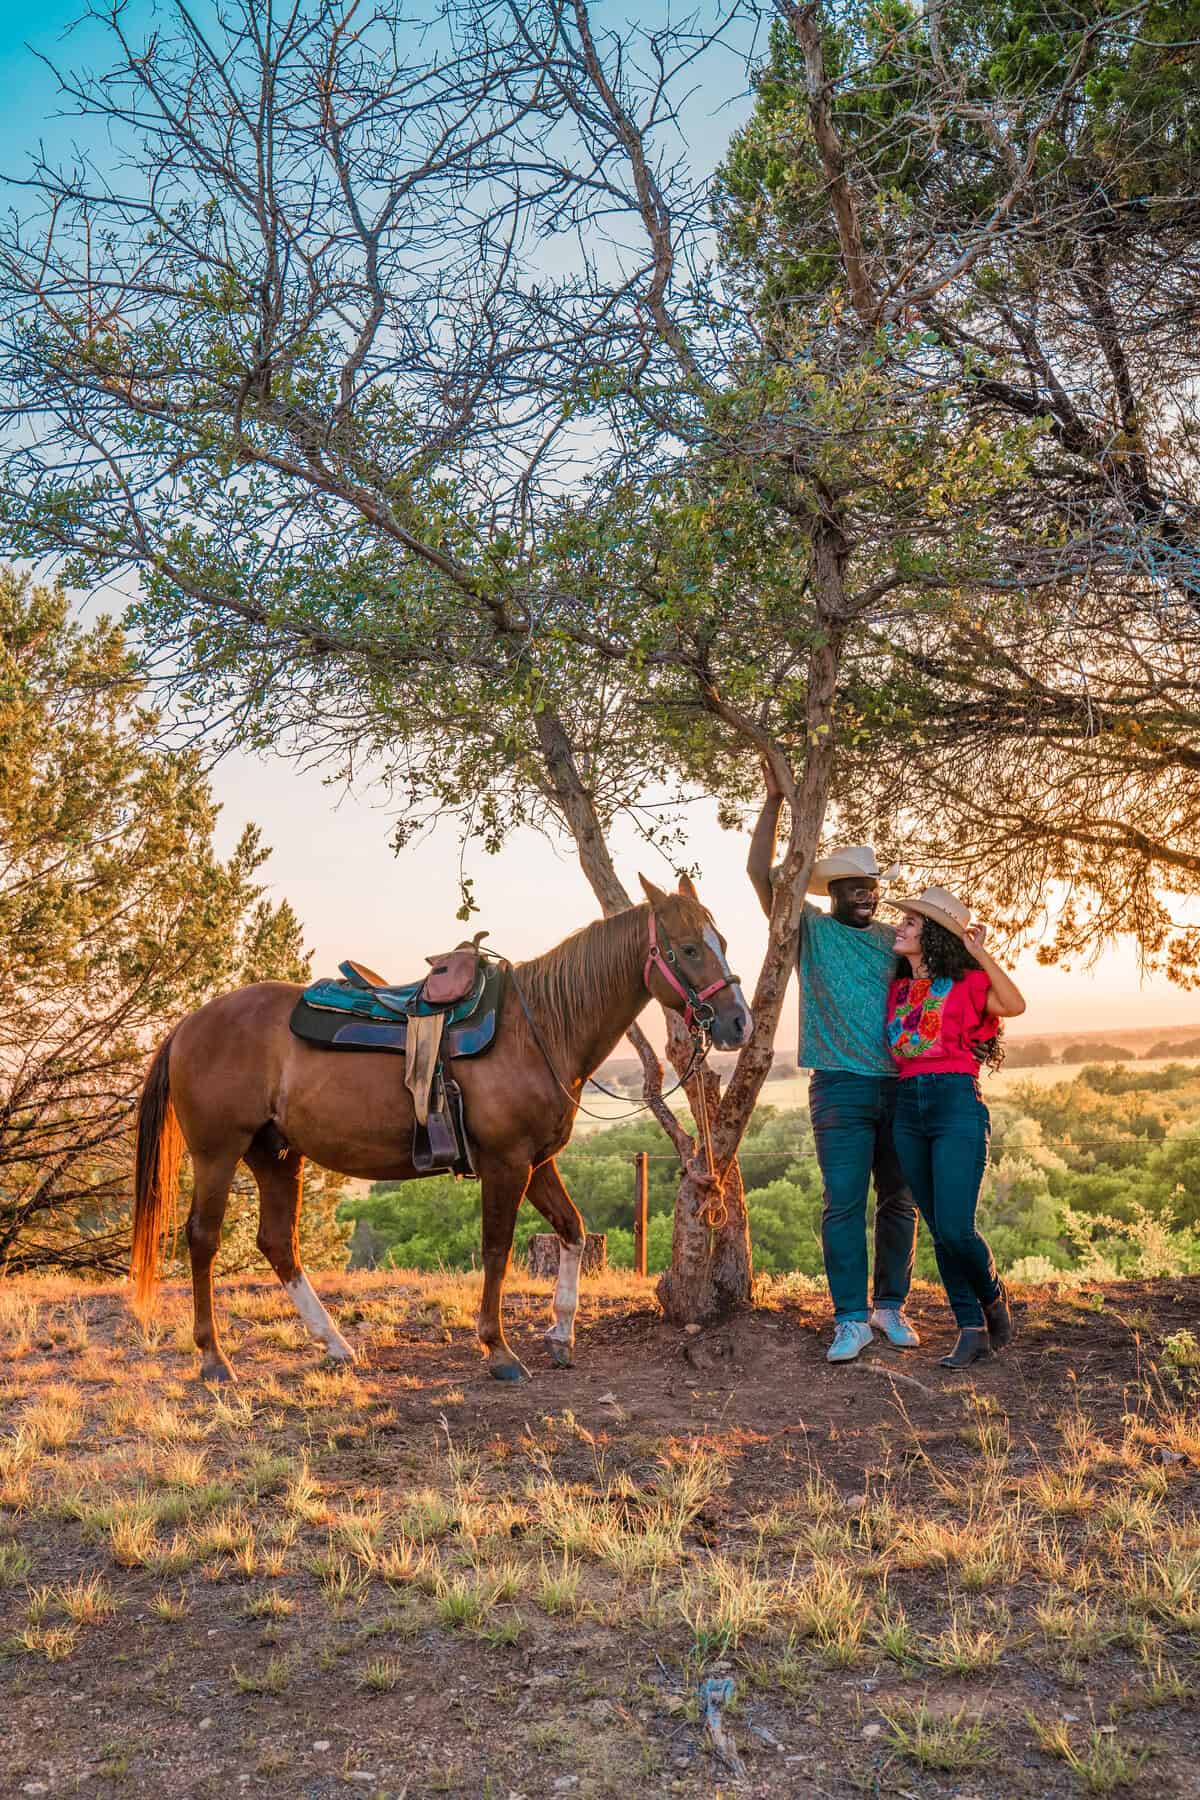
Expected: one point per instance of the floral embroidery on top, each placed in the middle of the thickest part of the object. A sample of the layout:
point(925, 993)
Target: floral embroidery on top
point(915, 1021)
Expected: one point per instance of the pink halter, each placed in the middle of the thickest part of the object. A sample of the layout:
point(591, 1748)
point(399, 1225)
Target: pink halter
point(693, 999)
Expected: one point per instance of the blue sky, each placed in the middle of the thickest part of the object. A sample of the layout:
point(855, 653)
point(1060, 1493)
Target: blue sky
point(331, 855)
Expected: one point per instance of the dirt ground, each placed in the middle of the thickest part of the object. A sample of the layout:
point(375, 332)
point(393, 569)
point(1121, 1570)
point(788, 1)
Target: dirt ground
point(407, 1579)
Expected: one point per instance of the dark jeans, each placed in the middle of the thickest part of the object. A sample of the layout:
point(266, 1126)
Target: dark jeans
point(852, 1126)
point(942, 1130)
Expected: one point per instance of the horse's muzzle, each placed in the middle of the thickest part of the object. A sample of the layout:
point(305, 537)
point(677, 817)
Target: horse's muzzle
point(729, 1031)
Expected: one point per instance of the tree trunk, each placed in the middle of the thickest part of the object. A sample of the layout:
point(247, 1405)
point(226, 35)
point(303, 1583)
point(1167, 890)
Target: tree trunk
point(711, 1271)
point(709, 1278)
point(544, 1248)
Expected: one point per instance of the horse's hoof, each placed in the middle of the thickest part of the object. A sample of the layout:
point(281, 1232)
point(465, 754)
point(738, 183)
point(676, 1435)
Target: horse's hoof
point(217, 1373)
point(561, 1355)
point(339, 1359)
point(510, 1371)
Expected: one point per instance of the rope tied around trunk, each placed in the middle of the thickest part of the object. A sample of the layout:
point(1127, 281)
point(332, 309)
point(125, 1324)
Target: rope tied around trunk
point(711, 1204)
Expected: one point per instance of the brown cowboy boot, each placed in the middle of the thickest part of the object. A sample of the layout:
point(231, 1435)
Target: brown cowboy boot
point(1001, 1330)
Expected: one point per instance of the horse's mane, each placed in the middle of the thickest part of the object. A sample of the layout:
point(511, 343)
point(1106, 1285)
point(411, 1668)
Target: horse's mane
point(576, 976)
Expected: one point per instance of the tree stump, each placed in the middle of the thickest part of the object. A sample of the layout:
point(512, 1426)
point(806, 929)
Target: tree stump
point(544, 1248)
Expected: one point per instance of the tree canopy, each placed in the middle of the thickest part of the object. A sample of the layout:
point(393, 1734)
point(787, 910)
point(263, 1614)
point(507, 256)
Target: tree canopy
point(116, 916)
point(1004, 197)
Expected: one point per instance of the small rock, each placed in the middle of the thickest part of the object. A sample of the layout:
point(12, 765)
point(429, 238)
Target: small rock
point(34, 1787)
point(365, 1775)
point(854, 1502)
point(693, 1330)
point(205, 1725)
point(321, 1744)
point(872, 1730)
point(564, 1782)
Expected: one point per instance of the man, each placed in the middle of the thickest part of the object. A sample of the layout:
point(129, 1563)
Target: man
point(845, 963)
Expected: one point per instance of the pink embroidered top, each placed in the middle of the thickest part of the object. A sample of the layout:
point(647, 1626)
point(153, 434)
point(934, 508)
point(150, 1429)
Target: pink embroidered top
point(933, 1026)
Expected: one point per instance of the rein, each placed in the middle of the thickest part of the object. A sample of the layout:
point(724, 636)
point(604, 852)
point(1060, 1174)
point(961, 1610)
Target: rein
point(697, 1015)
point(699, 1052)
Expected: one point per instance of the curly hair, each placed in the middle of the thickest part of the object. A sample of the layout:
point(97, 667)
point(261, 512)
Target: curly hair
point(944, 954)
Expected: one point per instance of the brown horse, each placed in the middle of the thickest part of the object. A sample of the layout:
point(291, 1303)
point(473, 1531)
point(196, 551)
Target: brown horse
point(232, 1082)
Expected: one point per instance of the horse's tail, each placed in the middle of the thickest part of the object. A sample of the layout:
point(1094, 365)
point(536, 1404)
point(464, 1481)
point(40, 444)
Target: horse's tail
point(155, 1178)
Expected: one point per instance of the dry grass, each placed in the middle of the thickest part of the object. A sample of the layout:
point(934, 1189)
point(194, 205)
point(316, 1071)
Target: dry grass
point(293, 1512)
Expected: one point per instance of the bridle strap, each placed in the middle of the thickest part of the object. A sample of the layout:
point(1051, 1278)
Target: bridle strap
point(696, 1010)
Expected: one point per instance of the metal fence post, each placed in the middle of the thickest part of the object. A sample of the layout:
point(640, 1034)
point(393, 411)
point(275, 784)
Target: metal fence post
point(641, 1185)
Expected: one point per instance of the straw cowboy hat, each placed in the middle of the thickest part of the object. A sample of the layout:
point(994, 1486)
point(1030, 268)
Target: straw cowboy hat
point(940, 905)
point(846, 862)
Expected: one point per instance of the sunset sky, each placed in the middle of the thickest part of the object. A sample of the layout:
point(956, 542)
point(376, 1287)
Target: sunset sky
point(330, 849)
point(331, 859)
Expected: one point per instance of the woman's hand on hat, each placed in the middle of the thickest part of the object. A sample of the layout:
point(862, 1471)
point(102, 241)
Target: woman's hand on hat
point(974, 935)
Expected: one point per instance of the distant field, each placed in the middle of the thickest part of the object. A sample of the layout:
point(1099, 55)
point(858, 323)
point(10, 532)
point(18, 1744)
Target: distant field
point(795, 1092)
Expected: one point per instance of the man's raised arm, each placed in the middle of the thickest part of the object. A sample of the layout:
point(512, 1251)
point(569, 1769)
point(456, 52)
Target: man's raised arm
point(762, 844)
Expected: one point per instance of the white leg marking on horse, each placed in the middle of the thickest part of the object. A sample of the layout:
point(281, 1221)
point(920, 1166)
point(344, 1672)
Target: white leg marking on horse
point(302, 1296)
point(714, 944)
point(566, 1292)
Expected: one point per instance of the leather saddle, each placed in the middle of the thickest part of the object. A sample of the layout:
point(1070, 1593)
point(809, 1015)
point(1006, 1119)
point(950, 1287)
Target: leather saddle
point(454, 976)
point(451, 1012)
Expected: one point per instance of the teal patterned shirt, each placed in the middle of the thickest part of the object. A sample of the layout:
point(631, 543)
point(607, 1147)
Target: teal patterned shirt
point(844, 976)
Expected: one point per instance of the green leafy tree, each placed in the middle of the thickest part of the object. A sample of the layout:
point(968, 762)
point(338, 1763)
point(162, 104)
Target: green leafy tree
point(1092, 1052)
point(1001, 195)
point(116, 916)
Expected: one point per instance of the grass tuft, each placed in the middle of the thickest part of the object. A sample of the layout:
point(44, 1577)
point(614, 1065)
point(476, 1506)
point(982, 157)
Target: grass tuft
point(951, 1741)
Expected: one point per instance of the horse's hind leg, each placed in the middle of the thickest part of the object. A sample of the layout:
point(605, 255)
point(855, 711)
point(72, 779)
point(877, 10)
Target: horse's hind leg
point(552, 1200)
point(279, 1172)
point(211, 1176)
point(503, 1187)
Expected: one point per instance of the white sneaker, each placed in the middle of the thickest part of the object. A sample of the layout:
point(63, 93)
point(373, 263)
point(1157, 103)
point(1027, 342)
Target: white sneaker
point(849, 1337)
point(895, 1327)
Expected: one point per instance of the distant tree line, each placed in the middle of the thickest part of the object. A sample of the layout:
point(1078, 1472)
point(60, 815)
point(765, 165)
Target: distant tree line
point(1098, 1175)
point(1035, 1054)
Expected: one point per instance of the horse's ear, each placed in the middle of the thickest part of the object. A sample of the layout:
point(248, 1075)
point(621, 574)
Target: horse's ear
point(688, 887)
point(654, 895)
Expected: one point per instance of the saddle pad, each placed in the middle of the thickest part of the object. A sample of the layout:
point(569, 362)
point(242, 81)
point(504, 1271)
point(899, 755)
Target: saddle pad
point(339, 1030)
point(345, 998)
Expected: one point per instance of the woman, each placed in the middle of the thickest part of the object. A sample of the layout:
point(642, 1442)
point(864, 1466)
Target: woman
point(943, 1010)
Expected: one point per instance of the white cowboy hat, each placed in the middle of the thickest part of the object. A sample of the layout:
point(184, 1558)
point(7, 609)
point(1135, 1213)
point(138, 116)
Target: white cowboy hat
point(847, 861)
point(940, 905)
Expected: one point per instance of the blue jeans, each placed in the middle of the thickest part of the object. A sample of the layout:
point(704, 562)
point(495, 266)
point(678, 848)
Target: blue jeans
point(852, 1127)
point(942, 1130)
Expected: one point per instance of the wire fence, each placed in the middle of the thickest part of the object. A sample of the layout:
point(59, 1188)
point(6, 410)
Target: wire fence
point(807, 1153)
